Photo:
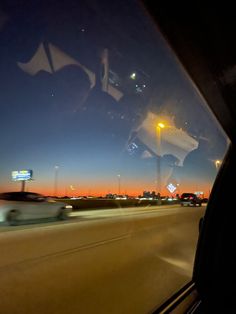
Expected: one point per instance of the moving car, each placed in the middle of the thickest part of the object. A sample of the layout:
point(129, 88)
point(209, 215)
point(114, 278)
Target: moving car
point(190, 199)
point(205, 200)
point(19, 206)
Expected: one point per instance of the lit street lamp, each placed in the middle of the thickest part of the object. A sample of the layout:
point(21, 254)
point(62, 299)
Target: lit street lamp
point(159, 127)
point(55, 179)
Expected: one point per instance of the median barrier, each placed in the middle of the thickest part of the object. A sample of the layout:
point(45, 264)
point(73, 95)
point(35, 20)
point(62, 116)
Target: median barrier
point(85, 204)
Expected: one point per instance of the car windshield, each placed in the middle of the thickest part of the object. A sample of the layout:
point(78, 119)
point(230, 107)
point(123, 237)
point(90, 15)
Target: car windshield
point(97, 112)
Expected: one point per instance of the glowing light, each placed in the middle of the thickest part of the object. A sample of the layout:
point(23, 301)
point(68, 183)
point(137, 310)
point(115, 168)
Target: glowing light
point(171, 187)
point(218, 163)
point(68, 206)
point(133, 76)
point(161, 125)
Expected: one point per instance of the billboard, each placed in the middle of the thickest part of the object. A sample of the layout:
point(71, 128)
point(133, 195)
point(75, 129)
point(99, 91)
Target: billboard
point(22, 175)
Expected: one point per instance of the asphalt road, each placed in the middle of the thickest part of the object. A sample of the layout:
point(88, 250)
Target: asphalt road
point(107, 261)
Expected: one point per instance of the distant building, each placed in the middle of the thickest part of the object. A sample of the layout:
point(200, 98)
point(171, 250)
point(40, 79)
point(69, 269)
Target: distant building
point(148, 194)
point(116, 196)
point(111, 196)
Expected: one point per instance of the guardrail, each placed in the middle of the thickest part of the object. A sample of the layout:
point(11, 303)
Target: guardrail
point(112, 203)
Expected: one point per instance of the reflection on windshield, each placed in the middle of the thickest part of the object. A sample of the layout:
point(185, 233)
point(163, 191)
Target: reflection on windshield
point(97, 113)
point(88, 99)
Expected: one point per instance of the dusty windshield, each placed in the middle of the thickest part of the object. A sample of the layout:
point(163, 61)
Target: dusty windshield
point(97, 112)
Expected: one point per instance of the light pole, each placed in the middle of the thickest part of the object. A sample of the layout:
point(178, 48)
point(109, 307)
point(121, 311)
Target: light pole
point(118, 176)
point(159, 127)
point(55, 179)
point(178, 189)
point(72, 188)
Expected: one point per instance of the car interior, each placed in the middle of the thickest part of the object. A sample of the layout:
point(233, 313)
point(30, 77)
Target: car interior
point(202, 36)
point(202, 40)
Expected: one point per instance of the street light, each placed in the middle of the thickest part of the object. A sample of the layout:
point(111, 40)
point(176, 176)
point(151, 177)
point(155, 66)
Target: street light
point(72, 188)
point(55, 179)
point(118, 176)
point(160, 126)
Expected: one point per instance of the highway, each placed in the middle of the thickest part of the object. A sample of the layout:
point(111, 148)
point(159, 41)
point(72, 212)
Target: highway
point(126, 260)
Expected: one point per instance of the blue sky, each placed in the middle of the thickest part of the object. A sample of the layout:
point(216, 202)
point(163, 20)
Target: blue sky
point(52, 119)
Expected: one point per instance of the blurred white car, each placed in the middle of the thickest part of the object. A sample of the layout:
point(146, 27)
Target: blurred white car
point(19, 206)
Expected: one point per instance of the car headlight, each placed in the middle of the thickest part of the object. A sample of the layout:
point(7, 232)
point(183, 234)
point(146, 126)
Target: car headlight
point(68, 207)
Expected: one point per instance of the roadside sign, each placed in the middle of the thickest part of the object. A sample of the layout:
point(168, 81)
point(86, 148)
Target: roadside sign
point(22, 175)
point(171, 188)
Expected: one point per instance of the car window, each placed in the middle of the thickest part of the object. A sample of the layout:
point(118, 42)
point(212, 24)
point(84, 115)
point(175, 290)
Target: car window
point(34, 197)
point(14, 196)
point(4, 196)
point(96, 105)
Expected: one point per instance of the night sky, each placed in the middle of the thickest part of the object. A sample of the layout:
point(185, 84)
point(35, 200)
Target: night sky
point(58, 117)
